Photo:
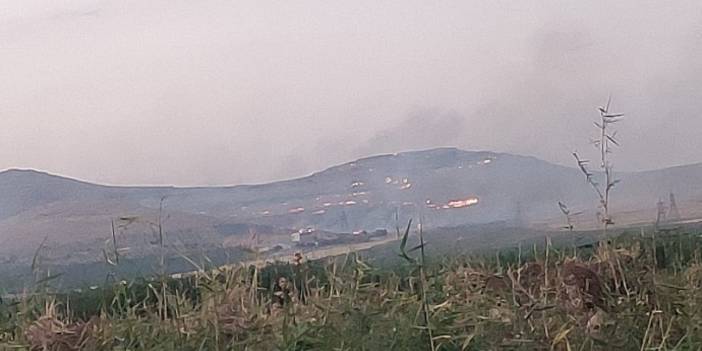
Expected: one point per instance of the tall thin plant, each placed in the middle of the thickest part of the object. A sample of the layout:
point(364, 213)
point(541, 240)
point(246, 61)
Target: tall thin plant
point(604, 142)
point(419, 266)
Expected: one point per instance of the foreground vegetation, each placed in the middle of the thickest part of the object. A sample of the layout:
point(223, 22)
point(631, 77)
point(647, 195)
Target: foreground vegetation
point(636, 292)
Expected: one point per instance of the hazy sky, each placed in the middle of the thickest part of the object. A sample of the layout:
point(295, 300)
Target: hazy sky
point(224, 92)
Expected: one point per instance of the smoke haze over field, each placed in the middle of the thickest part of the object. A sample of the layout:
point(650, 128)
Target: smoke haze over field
point(221, 92)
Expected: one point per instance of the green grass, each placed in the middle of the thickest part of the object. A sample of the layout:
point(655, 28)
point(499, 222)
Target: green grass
point(536, 298)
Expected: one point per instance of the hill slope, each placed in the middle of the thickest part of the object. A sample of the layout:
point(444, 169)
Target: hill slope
point(444, 187)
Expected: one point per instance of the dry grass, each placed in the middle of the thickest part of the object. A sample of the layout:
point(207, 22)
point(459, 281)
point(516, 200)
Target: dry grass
point(639, 294)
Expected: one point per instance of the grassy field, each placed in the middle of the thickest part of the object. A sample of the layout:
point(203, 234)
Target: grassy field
point(637, 291)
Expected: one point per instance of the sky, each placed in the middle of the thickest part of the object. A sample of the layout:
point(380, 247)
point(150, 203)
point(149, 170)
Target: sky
point(215, 92)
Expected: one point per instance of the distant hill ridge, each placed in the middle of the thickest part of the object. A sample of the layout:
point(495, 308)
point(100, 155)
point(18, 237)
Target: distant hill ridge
point(443, 186)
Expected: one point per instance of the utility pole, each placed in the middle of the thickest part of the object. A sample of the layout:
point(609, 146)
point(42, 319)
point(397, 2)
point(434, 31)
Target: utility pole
point(673, 213)
point(660, 216)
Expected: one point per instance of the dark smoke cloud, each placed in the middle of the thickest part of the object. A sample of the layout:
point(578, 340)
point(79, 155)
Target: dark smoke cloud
point(219, 92)
point(420, 130)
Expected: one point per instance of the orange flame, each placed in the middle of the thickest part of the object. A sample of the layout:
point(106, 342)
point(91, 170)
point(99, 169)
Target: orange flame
point(463, 203)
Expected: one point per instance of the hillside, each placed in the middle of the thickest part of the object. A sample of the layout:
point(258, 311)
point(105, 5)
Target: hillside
point(443, 187)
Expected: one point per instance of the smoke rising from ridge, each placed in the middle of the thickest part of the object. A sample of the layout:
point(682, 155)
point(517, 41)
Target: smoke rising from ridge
point(214, 92)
